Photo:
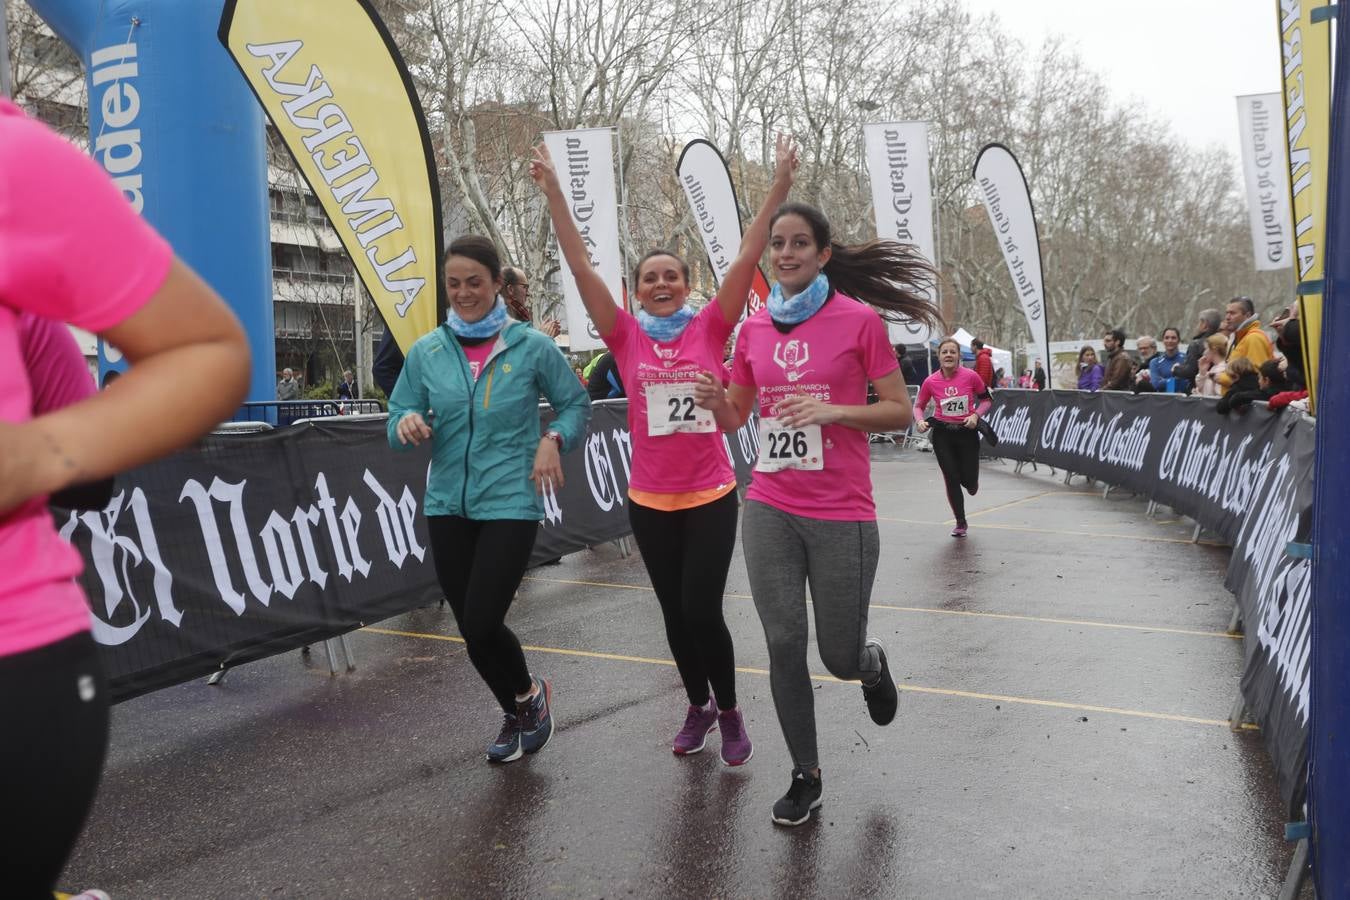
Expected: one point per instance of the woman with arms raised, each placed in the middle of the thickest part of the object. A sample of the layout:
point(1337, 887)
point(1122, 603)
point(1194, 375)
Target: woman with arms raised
point(682, 493)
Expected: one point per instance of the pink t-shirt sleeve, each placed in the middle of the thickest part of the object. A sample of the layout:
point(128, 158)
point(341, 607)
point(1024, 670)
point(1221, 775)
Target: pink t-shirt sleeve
point(56, 370)
point(741, 373)
point(878, 354)
point(58, 207)
point(625, 325)
point(925, 395)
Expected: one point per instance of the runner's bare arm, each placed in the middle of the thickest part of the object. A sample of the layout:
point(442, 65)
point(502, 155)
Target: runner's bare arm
point(891, 412)
point(600, 303)
point(735, 288)
point(730, 406)
point(190, 371)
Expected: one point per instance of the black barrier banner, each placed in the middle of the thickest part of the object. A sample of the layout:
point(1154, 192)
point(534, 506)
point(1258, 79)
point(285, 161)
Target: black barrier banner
point(1246, 476)
point(251, 544)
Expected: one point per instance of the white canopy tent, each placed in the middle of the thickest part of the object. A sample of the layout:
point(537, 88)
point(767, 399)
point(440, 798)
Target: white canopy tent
point(1002, 358)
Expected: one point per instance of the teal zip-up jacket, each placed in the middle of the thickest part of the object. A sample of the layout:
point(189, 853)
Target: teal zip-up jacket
point(485, 433)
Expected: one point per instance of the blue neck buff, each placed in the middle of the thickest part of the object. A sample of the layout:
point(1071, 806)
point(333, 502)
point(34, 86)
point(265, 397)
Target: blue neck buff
point(487, 326)
point(665, 328)
point(800, 307)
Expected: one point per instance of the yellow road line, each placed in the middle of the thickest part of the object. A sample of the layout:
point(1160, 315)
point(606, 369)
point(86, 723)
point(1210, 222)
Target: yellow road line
point(1002, 506)
point(941, 612)
point(911, 688)
point(1087, 534)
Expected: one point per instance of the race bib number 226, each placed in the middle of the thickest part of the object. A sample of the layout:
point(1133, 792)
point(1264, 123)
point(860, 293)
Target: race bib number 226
point(782, 447)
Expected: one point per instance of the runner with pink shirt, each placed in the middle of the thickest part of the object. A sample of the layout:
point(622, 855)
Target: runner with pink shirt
point(960, 399)
point(682, 490)
point(804, 364)
point(73, 250)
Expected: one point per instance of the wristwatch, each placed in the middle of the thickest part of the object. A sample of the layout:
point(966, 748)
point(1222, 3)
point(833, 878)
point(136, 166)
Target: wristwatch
point(556, 438)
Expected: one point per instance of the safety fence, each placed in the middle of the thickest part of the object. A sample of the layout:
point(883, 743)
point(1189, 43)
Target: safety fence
point(250, 544)
point(287, 412)
point(1246, 477)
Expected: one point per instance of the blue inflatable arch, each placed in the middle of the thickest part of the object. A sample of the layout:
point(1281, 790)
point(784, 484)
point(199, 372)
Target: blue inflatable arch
point(178, 130)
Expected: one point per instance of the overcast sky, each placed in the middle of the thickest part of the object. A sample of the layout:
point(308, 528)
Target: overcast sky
point(1186, 59)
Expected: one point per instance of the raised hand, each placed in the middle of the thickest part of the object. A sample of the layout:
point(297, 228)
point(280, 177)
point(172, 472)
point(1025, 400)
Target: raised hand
point(542, 171)
point(785, 158)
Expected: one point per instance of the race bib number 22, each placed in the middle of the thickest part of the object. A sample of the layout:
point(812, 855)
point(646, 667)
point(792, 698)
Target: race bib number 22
point(671, 410)
point(782, 447)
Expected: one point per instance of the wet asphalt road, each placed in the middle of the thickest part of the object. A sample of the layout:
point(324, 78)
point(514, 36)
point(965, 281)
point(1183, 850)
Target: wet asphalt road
point(1064, 684)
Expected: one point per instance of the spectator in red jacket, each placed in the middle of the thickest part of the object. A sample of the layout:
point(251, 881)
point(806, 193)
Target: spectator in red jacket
point(984, 362)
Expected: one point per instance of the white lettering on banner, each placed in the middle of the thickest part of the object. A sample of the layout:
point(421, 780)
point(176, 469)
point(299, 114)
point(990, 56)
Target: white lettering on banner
point(1096, 436)
point(118, 145)
point(747, 437)
point(288, 544)
point(585, 161)
point(708, 190)
point(329, 132)
point(1300, 158)
point(114, 556)
point(1007, 199)
point(1013, 427)
point(1282, 584)
point(1223, 475)
point(717, 251)
point(1266, 171)
point(396, 521)
point(601, 475)
point(902, 199)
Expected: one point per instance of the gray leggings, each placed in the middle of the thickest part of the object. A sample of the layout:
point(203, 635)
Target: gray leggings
point(839, 559)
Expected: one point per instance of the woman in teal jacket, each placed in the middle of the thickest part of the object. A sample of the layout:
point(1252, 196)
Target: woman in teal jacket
point(472, 388)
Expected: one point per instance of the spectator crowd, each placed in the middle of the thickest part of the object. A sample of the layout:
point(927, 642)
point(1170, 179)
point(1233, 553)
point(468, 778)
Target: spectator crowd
point(1230, 356)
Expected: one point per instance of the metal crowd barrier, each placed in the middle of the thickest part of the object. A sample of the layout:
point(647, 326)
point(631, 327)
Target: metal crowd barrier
point(288, 412)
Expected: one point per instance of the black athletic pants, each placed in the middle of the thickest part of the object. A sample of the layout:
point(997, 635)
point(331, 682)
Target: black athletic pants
point(687, 553)
point(479, 565)
point(958, 455)
point(53, 737)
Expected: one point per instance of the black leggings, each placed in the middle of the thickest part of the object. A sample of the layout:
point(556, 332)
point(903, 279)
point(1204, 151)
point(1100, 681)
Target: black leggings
point(687, 553)
point(54, 710)
point(479, 565)
point(958, 455)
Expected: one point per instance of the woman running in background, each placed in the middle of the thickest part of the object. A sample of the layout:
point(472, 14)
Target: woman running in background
point(805, 362)
point(961, 398)
point(682, 491)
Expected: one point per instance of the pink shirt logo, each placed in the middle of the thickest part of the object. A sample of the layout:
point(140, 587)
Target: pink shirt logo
point(791, 357)
point(667, 355)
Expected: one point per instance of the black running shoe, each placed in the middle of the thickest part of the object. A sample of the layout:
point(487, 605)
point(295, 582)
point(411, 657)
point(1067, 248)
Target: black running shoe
point(794, 807)
point(881, 695)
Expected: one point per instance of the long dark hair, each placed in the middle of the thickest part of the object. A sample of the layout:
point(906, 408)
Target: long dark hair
point(892, 277)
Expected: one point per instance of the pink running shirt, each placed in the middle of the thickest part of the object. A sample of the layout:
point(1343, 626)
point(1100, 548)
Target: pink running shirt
point(477, 355)
point(832, 356)
point(72, 250)
point(955, 398)
point(682, 462)
point(57, 373)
